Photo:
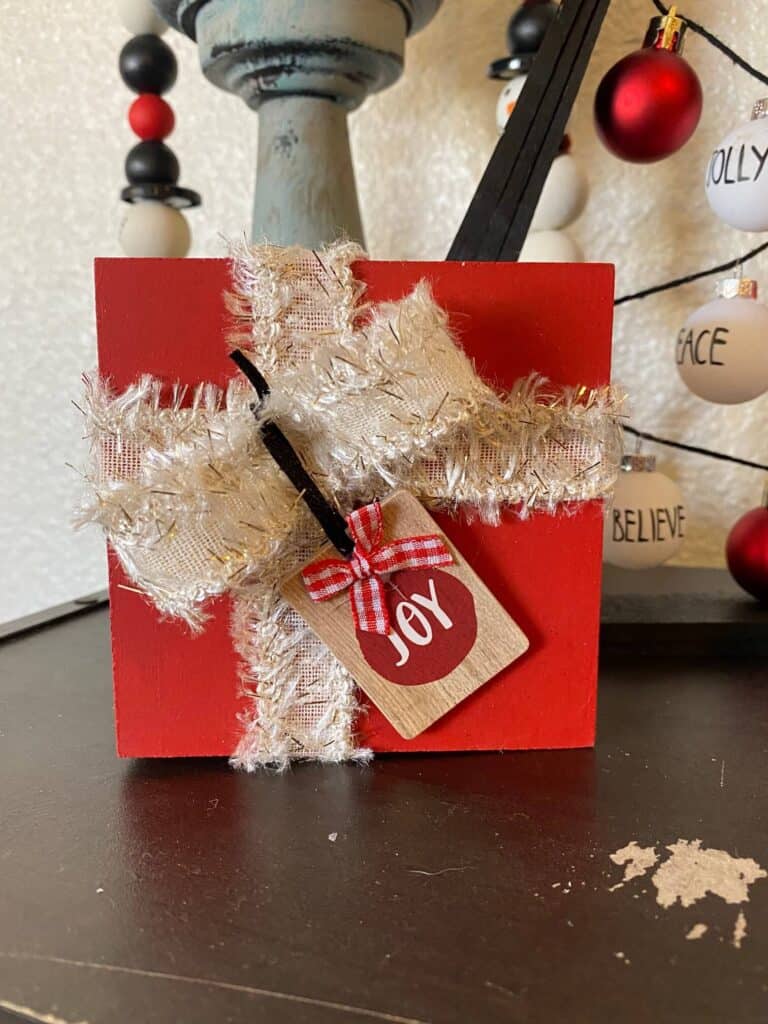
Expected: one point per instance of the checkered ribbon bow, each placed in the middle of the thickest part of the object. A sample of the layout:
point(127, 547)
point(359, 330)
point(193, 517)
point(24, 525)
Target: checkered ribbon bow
point(370, 560)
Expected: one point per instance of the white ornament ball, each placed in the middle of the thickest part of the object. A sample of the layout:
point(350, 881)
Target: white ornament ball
point(646, 524)
point(140, 17)
point(722, 349)
point(563, 197)
point(550, 247)
point(151, 228)
point(737, 175)
point(508, 97)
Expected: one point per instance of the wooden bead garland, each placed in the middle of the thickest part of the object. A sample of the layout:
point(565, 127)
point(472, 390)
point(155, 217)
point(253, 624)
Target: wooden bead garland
point(140, 17)
point(153, 225)
point(150, 117)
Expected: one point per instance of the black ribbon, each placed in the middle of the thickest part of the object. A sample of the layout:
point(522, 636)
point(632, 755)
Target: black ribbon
point(280, 448)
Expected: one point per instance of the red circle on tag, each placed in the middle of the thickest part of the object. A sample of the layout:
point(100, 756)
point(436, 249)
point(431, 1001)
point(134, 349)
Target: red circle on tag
point(433, 628)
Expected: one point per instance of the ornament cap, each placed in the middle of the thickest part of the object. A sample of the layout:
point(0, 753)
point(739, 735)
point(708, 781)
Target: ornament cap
point(666, 32)
point(760, 109)
point(737, 288)
point(638, 463)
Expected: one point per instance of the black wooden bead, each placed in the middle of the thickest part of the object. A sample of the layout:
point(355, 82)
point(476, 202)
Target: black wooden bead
point(147, 64)
point(152, 163)
point(527, 28)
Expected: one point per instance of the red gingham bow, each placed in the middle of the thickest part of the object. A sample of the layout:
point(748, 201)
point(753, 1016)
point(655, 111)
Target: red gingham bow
point(370, 560)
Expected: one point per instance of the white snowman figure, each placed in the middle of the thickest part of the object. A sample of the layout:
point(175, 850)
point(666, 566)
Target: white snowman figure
point(562, 199)
point(508, 97)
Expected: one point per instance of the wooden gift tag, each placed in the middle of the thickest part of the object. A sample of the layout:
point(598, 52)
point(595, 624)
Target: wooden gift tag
point(449, 634)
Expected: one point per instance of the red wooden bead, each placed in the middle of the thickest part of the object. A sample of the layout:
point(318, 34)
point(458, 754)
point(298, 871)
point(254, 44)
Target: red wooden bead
point(151, 117)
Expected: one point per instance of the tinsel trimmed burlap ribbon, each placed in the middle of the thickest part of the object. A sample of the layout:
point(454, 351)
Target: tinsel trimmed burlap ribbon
point(374, 398)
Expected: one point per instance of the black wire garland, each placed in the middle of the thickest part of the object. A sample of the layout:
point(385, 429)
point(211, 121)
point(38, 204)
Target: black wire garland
point(719, 269)
point(718, 44)
point(731, 264)
point(693, 448)
point(678, 281)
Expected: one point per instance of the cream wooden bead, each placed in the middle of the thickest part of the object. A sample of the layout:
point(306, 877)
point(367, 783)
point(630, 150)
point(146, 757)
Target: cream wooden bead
point(140, 17)
point(550, 247)
point(153, 229)
point(563, 197)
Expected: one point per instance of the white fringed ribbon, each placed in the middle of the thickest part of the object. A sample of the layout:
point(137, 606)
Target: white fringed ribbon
point(373, 398)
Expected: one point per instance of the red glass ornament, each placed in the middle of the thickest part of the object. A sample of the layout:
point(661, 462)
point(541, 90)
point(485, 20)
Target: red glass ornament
point(648, 105)
point(746, 551)
point(151, 117)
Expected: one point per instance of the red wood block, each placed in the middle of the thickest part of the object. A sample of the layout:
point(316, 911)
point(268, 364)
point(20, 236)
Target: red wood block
point(178, 694)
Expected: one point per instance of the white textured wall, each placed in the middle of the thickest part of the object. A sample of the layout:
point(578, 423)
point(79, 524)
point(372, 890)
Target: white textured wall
point(419, 148)
point(65, 139)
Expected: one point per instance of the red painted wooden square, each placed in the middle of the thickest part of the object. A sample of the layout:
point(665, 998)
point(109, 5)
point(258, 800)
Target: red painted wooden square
point(178, 694)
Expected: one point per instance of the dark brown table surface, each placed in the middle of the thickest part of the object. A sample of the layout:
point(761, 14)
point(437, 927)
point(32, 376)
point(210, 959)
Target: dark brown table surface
point(459, 889)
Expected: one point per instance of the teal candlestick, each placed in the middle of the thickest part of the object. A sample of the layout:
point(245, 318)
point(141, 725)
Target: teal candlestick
point(303, 64)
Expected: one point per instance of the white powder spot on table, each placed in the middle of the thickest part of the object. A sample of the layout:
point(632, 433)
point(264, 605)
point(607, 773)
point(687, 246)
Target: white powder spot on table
point(332, 837)
point(692, 872)
point(636, 860)
point(739, 930)
point(688, 874)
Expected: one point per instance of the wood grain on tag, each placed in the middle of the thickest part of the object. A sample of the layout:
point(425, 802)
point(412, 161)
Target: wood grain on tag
point(449, 633)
